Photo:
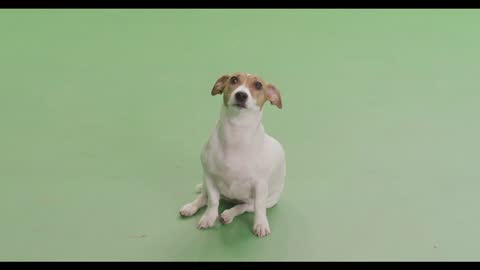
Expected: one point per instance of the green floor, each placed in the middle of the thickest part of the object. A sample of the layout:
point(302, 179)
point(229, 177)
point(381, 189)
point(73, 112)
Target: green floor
point(103, 114)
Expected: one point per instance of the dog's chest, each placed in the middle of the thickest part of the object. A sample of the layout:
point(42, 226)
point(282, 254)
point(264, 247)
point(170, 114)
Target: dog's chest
point(235, 175)
point(233, 171)
point(234, 189)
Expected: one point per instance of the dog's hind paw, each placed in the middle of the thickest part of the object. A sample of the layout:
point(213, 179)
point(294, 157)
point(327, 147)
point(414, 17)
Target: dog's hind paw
point(226, 218)
point(188, 210)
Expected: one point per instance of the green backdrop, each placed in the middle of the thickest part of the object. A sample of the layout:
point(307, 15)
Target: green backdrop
point(103, 114)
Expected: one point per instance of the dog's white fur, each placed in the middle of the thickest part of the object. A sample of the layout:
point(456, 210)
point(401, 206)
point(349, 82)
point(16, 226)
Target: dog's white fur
point(241, 163)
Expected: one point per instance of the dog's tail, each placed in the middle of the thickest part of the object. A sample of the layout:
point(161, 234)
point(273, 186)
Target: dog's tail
point(198, 188)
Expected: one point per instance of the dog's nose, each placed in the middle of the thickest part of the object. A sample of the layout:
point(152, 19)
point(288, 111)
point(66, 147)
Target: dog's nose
point(241, 96)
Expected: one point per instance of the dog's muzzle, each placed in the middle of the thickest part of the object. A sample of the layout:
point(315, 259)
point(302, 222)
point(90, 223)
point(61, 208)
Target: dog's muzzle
point(240, 99)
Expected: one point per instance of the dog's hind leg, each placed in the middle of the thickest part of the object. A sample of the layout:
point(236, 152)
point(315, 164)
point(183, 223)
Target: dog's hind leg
point(228, 215)
point(191, 208)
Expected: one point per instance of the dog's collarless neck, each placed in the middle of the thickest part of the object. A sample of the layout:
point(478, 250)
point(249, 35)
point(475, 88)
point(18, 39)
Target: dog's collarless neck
point(243, 119)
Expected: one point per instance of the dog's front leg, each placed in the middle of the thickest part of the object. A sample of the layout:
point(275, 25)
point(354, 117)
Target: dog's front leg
point(210, 216)
point(261, 227)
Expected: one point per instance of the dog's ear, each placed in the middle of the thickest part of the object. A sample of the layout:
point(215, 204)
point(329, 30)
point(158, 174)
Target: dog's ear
point(273, 95)
point(220, 85)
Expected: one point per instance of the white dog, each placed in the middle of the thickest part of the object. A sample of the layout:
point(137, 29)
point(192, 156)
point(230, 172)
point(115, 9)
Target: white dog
point(241, 163)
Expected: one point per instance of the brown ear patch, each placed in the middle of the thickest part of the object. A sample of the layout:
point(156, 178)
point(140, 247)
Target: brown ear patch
point(273, 95)
point(220, 85)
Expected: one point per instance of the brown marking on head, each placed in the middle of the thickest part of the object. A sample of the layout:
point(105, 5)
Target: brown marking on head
point(259, 89)
point(234, 81)
point(219, 85)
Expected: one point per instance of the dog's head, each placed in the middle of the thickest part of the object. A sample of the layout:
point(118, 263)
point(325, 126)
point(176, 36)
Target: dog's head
point(245, 91)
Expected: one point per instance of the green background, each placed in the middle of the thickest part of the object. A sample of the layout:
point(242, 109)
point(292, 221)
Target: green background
point(103, 114)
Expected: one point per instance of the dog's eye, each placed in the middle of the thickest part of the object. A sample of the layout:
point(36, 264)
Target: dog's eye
point(258, 85)
point(234, 80)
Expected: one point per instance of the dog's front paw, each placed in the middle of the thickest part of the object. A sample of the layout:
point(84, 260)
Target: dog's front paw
point(261, 229)
point(188, 210)
point(207, 221)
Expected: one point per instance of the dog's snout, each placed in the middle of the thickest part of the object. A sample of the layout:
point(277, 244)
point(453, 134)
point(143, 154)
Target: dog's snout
point(241, 96)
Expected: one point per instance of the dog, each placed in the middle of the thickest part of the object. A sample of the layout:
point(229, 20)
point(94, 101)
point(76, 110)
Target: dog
point(241, 162)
